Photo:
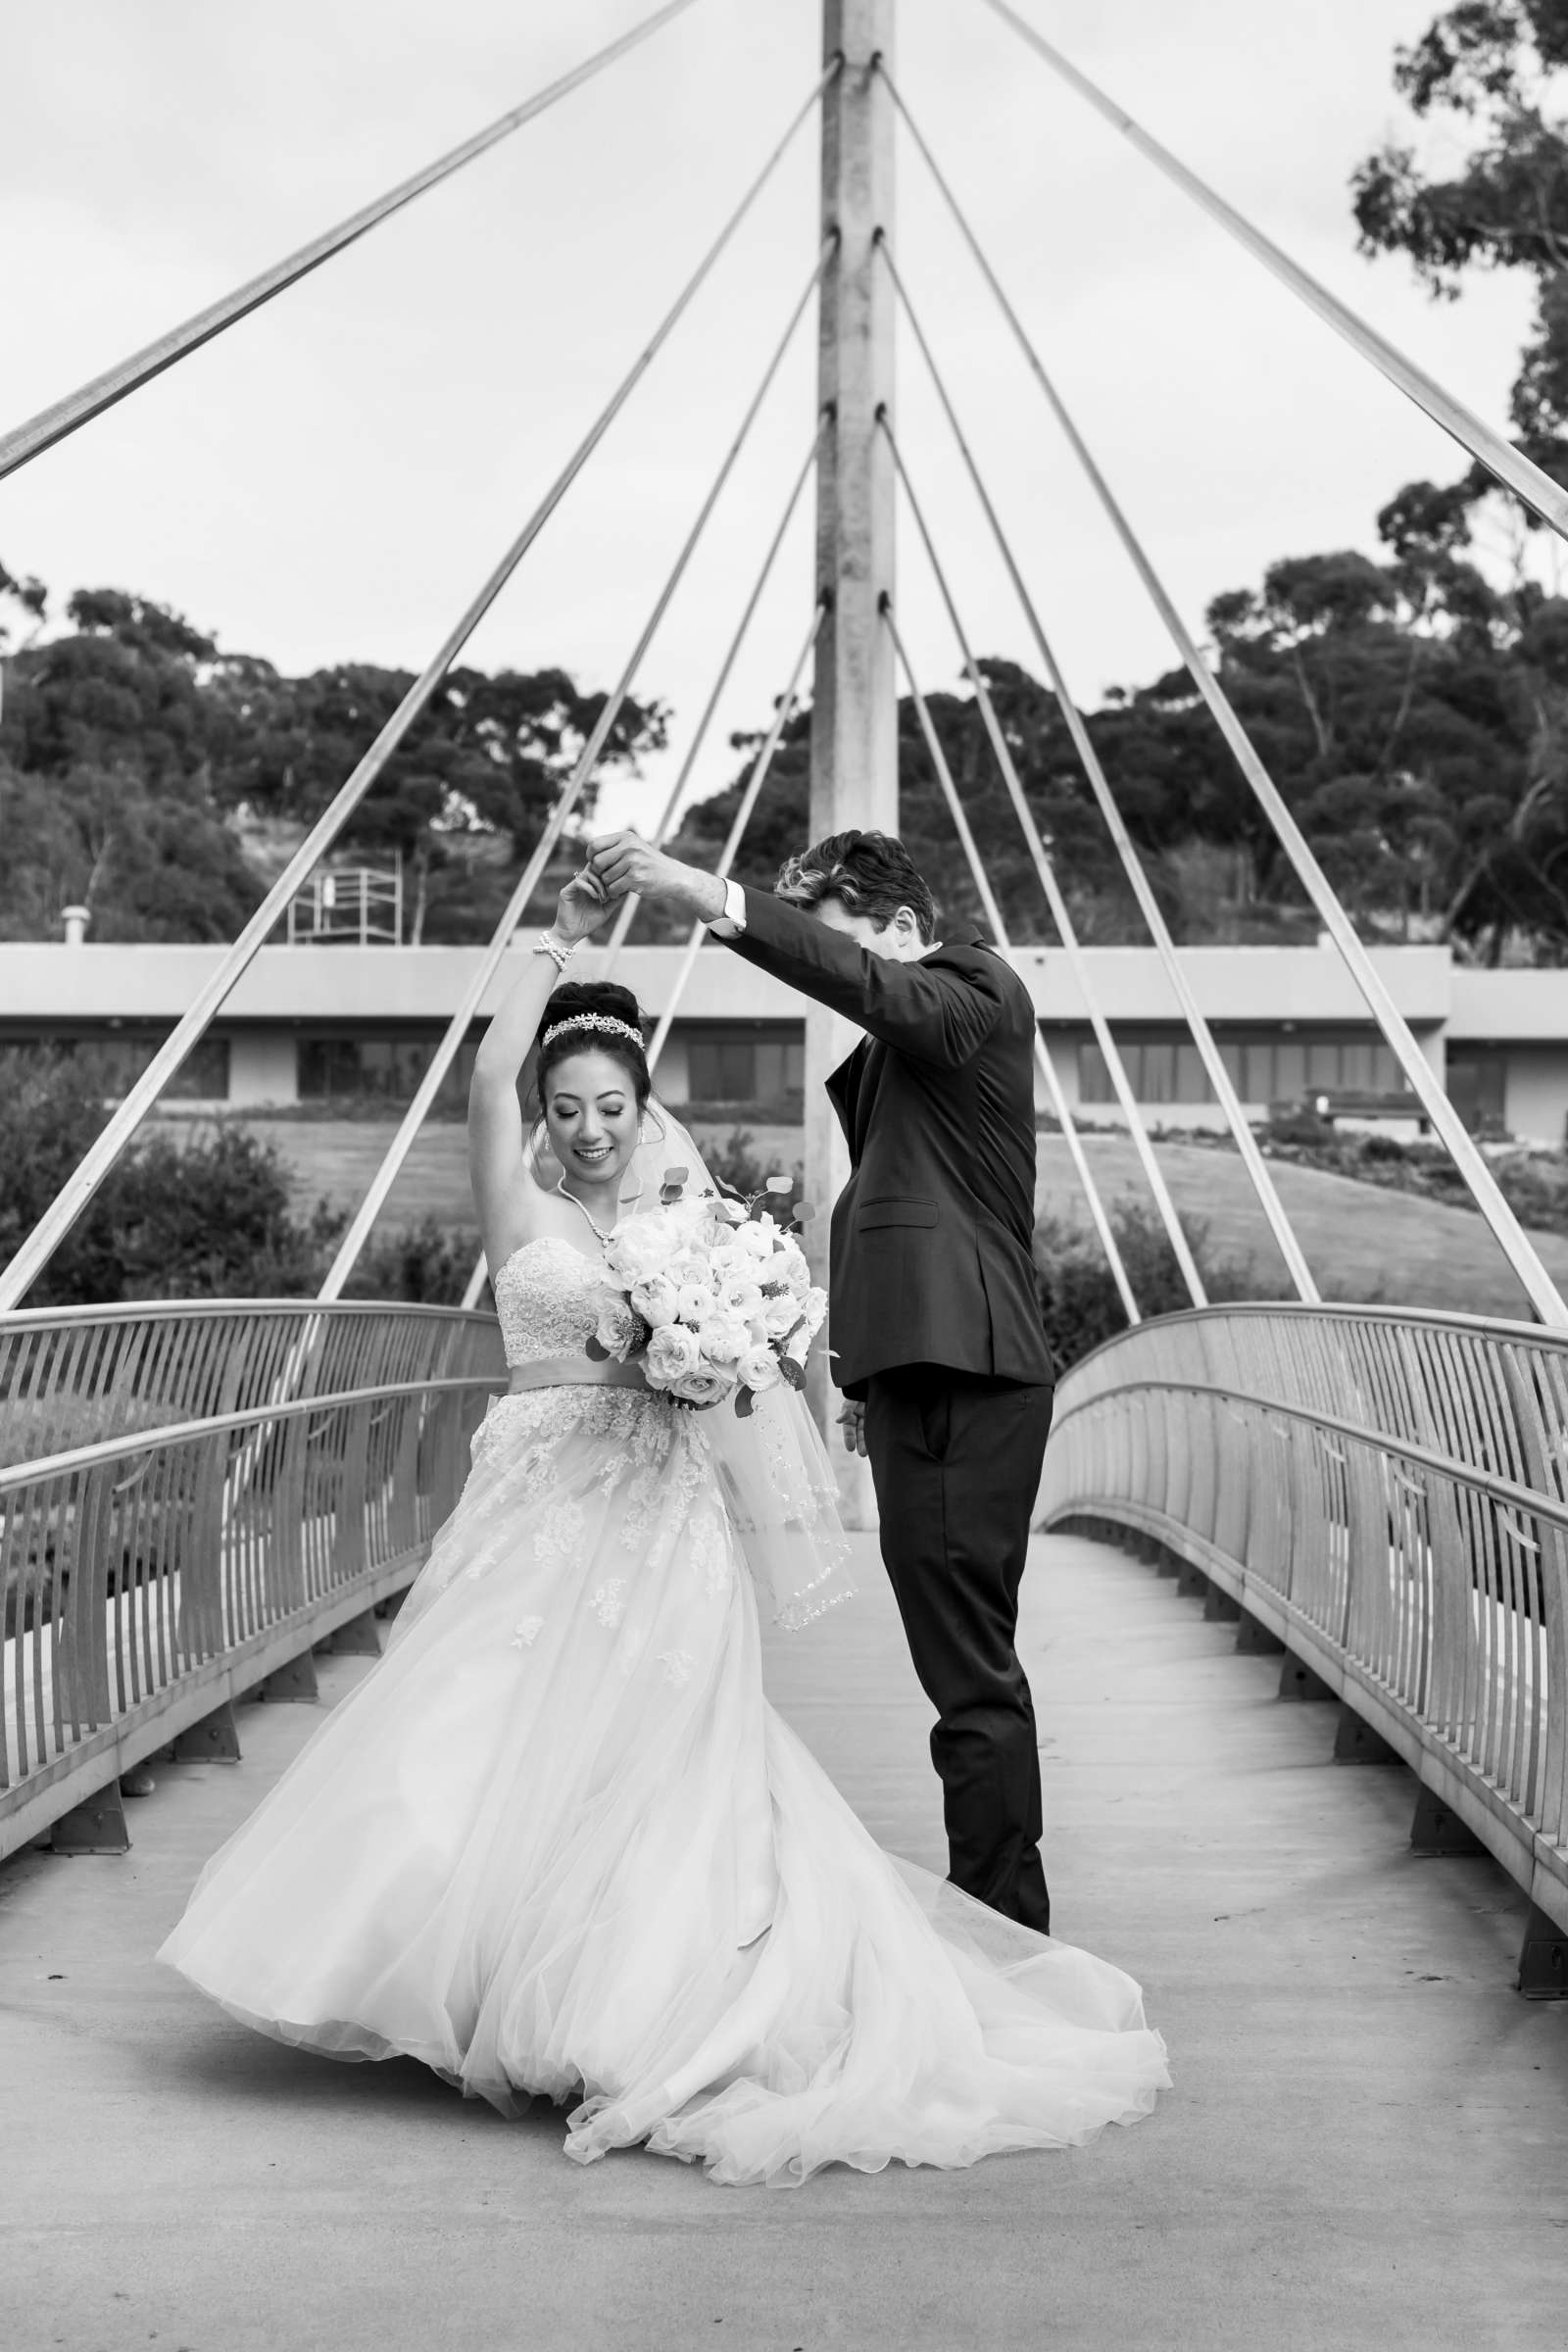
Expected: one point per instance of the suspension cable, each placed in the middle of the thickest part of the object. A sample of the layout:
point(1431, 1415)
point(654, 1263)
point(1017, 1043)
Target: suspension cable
point(782, 715)
point(90, 400)
point(79, 1188)
point(1212, 1058)
point(1059, 913)
point(456, 1029)
point(993, 917)
point(1510, 1236)
point(1496, 453)
point(667, 814)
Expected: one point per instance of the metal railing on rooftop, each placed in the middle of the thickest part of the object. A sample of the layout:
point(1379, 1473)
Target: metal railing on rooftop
point(191, 1498)
point(1385, 1492)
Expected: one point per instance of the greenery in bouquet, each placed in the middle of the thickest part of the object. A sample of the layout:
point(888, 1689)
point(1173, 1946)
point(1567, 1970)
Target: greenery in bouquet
point(711, 1294)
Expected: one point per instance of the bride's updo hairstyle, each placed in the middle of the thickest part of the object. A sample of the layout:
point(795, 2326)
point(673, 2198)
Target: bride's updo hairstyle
point(578, 1012)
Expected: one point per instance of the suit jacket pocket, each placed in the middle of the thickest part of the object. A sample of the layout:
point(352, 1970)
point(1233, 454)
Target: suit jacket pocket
point(890, 1212)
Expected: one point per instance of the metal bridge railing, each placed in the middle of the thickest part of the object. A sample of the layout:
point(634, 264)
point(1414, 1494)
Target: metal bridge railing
point(1386, 1491)
point(191, 1496)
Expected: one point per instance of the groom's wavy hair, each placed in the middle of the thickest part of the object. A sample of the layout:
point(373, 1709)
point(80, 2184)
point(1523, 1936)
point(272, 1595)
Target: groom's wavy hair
point(868, 873)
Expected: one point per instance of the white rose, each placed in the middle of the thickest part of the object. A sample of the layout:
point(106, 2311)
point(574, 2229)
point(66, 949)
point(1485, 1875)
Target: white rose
point(726, 1339)
point(655, 1299)
point(758, 1370)
point(635, 1251)
point(696, 1304)
point(780, 1314)
point(743, 1299)
point(814, 1308)
point(756, 1238)
point(793, 1271)
point(672, 1354)
point(616, 1327)
point(706, 1386)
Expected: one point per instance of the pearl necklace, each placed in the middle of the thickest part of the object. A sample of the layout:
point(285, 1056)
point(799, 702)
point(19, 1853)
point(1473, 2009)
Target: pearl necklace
point(604, 1238)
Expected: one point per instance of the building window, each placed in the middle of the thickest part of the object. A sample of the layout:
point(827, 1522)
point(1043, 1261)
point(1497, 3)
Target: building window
point(1477, 1079)
point(764, 1065)
point(384, 1069)
point(1263, 1068)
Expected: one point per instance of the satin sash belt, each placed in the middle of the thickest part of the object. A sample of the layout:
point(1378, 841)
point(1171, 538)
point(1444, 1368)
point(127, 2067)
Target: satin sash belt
point(573, 1372)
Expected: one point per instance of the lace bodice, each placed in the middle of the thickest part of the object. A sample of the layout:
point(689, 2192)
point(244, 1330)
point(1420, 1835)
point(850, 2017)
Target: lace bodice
point(543, 1294)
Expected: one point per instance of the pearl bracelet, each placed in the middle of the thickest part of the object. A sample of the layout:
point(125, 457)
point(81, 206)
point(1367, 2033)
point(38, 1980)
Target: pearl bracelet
point(544, 944)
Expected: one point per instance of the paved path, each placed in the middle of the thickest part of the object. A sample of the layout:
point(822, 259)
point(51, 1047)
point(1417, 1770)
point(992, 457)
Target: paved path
point(1368, 2145)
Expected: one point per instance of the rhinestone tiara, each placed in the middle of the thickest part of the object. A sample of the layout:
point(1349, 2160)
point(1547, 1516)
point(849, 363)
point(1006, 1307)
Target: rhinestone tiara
point(594, 1020)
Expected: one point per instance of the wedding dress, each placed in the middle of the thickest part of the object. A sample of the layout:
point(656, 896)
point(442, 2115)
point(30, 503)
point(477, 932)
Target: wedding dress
point(557, 1841)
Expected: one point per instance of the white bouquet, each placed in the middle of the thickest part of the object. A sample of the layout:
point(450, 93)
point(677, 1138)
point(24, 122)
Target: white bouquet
point(711, 1294)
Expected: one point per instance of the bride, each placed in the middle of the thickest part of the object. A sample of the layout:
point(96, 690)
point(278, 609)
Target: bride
point(557, 1841)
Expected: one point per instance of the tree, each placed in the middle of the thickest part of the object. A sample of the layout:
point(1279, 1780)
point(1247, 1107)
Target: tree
point(1491, 72)
point(132, 752)
point(483, 761)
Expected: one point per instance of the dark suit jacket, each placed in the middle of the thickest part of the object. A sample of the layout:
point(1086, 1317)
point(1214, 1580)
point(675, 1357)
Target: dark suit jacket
point(931, 1235)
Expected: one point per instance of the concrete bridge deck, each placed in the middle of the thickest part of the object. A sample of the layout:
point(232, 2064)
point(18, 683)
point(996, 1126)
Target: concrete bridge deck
point(1367, 2144)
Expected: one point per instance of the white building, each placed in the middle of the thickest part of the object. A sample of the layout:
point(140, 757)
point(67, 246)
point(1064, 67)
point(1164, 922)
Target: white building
point(313, 1024)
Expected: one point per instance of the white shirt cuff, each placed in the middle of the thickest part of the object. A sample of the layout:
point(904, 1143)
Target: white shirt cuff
point(733, 920)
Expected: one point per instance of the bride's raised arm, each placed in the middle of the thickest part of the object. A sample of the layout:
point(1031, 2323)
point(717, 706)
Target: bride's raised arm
point(498, 1167)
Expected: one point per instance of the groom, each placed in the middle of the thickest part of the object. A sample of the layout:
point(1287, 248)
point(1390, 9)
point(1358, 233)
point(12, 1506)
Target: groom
point(933, 1315)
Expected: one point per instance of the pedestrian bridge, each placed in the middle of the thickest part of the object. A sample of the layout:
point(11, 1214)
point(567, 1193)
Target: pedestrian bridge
point(195, 1497)
point(1278, 1542)
point(1366, 2143)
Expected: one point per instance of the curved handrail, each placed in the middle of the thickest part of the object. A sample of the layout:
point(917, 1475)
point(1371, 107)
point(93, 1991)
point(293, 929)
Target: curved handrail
point(1539, 1335)
point(152, 1310)
point(1465, 1474)
point(186, 1433)
point(1384, 1488)
point(183, 1520)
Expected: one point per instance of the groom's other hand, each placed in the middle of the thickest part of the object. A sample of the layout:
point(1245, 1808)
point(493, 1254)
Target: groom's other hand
point(624, 862)
point(851, 1420)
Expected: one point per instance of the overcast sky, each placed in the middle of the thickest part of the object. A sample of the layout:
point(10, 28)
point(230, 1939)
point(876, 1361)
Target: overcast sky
point(332, 478)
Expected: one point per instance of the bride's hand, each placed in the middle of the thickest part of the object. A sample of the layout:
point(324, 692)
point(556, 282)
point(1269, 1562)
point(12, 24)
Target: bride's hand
point(582, 906)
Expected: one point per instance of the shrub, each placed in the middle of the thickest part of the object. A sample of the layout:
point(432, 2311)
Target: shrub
point(1078, 1294)
point(427, 1264)
point(203, 1214)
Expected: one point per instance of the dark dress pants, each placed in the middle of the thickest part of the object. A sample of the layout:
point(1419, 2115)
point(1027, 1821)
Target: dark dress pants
point(955, 1461)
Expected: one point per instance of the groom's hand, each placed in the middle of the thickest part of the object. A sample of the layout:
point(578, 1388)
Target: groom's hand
point(851, 1420)
point(624, 862)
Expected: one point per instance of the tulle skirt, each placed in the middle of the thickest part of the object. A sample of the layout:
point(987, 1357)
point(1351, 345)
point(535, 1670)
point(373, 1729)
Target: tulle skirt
point(558, 1842)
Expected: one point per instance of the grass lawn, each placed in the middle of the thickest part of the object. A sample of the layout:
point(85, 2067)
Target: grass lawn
point(1361, 1242)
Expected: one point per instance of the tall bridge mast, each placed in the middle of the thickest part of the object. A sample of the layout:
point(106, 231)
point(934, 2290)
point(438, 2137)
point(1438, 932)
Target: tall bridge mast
point(855, 774)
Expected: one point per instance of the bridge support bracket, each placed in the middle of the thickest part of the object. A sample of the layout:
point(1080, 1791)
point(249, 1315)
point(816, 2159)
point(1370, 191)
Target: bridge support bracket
point(1438, 1831)
point(1356, 1743)
point(97, 1826)
point(294, 1679)
point(357, 1638)
point(1543, 1959)
point(1219, 1608)
point(1298, 1681)
point(212, 1741)
point(1254, 1641)
point(1190, 1583)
